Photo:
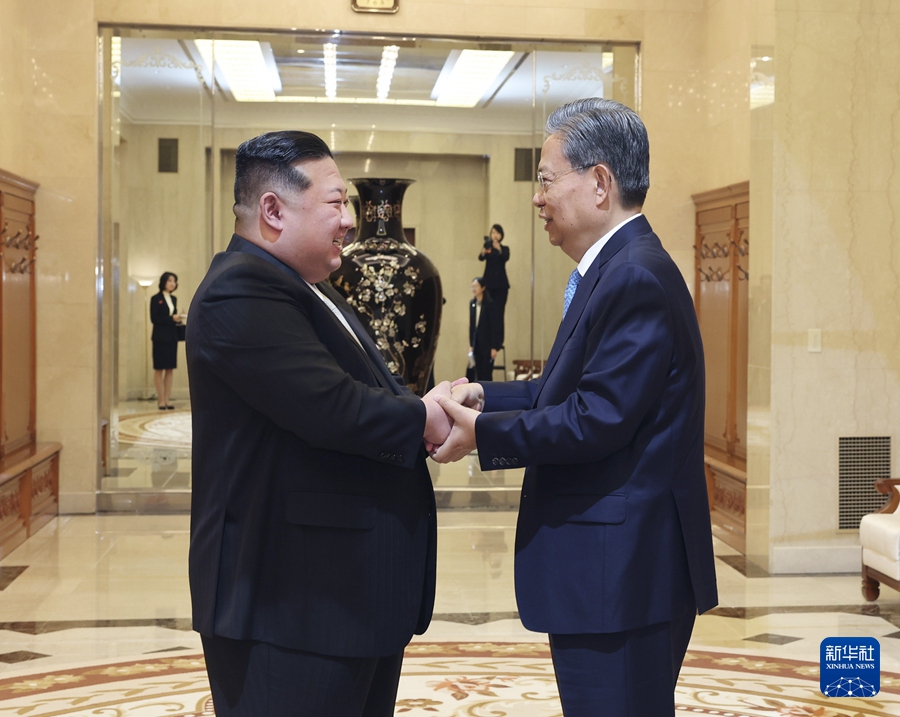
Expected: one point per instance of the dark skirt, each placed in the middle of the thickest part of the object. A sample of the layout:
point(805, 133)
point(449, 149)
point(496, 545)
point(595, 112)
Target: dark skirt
point(165, 354)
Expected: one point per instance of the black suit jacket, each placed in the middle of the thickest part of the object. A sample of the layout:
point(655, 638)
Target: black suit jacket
point(164, 326)
point(312, 516)
point(495, 268)
point(486, 335)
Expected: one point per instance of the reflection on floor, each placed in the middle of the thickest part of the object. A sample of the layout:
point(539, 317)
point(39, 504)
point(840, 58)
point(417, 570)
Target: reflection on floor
point(150, 449)
point(150, 467)
point(95, 613)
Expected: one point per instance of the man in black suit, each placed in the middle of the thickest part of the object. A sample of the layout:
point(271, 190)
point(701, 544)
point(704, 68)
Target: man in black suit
point(313, 530)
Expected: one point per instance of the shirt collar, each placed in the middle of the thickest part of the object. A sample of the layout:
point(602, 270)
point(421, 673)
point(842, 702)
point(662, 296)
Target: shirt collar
point(597, 246)
point(238, 243)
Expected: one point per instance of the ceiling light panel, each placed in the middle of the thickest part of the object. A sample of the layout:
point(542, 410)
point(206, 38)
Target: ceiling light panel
point(467, 76)
point(330, 50)
point(243, 66)
point(386, 71)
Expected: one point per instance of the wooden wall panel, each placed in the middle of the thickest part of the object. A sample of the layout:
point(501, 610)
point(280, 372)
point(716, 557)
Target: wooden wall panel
point(721, 299)
point(29, 472)
point(17, 314)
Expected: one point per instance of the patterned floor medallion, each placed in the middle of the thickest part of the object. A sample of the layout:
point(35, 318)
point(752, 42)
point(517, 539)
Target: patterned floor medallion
point(172, 429)
point(451, 679)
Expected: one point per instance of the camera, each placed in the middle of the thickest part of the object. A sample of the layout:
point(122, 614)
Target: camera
point(488, 243)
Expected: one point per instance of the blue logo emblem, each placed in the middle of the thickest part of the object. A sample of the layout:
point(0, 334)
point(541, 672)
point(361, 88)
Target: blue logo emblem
point(850, 667)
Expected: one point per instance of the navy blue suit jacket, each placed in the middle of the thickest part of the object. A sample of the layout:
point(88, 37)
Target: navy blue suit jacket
point(614, 528)
point(312, 514)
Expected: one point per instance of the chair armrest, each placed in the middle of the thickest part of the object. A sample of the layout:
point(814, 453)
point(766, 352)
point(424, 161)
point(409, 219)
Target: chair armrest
point(889, 486)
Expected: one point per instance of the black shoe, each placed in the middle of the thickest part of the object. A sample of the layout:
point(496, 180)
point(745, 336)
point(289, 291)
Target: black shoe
point(161, 408)
point(170, 408)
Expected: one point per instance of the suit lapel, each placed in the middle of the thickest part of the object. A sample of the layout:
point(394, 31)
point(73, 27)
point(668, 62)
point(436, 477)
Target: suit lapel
point(634, 228)
point(368, 347)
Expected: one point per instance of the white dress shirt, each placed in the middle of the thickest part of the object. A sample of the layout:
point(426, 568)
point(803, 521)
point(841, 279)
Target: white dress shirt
point(595, 249)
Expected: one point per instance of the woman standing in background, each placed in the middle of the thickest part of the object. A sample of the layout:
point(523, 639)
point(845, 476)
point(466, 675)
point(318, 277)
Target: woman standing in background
point(495, 255)
point(484, 331)
point(165, 319)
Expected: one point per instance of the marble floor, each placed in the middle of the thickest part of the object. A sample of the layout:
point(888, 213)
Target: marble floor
point(95, 611)
point(108, 588)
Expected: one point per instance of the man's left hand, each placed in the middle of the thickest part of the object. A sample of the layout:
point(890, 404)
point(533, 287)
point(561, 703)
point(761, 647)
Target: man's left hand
point(461, 441)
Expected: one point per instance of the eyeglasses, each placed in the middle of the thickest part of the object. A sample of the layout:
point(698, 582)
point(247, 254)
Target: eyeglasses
point(545, 183)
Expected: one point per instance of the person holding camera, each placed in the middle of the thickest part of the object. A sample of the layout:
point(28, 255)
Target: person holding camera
point(495, 255)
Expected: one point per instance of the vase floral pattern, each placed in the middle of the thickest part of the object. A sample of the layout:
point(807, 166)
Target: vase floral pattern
point(394, 288)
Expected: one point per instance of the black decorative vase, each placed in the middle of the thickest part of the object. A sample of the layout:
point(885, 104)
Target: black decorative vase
point(394, 288)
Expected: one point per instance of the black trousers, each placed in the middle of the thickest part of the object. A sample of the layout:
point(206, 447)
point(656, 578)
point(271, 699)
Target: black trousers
point(621, 674)
point(499, 297)
point(256, 679)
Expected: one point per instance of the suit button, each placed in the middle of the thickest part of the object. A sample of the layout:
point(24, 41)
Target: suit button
point(495, 462)
point(515, 461)
point(400, 458)
point(504, 462)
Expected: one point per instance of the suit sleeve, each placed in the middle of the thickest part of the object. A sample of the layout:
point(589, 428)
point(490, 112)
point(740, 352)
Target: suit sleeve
point(621, 357)
point(263, 345)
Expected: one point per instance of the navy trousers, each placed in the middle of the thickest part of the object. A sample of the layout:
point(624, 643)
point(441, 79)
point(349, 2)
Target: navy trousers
point(621, 674)
point(256, 679)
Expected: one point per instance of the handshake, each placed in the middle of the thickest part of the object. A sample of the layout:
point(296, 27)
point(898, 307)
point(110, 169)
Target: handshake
point(451, 410)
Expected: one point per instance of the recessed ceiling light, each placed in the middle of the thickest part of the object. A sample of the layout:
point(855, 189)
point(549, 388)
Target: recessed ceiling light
point(330, 70)
point(386, 71)
point(309, 99)
point(468, 75)
point(244, 67)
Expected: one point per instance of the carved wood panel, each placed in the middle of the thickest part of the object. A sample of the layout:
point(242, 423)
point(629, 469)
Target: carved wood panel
point(18, 244)
point(722, 254)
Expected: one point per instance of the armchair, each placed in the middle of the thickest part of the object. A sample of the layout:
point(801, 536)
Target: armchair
point(879, 535)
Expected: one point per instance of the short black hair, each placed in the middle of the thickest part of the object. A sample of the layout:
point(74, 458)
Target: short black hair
point(266, 163)
point(499, 231)
point(164, 279)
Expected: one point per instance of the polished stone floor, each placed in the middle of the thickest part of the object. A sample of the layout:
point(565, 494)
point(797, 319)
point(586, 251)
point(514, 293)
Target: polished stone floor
point(113, 585)
point(107, 592)
point(88, 589)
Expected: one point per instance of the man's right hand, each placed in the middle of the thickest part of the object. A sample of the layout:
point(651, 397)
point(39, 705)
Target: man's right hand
point(437, 422)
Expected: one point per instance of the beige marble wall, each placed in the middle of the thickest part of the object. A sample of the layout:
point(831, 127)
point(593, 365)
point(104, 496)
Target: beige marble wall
point(835, 263)
point(163, 226)
point(759, 369)
point(49, 135)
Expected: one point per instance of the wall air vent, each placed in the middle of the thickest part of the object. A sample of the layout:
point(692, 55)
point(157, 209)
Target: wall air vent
point(861, 461)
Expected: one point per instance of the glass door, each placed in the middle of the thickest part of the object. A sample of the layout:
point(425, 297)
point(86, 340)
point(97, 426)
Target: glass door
point(462, 118)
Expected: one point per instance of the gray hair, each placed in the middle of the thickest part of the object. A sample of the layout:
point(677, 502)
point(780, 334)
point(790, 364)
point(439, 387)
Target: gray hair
point(594, 131)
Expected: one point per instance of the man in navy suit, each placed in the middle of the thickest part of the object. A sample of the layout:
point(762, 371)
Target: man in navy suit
point(312, 557)
point(613, 546)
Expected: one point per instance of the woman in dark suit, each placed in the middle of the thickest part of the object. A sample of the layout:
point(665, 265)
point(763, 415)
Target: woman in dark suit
point(166, 320)
point(484, 331)
point(495, 255)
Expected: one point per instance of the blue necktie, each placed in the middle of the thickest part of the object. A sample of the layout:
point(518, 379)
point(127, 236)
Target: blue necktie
point(570, 290)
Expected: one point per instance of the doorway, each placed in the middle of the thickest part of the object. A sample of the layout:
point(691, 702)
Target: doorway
point(174, 112)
